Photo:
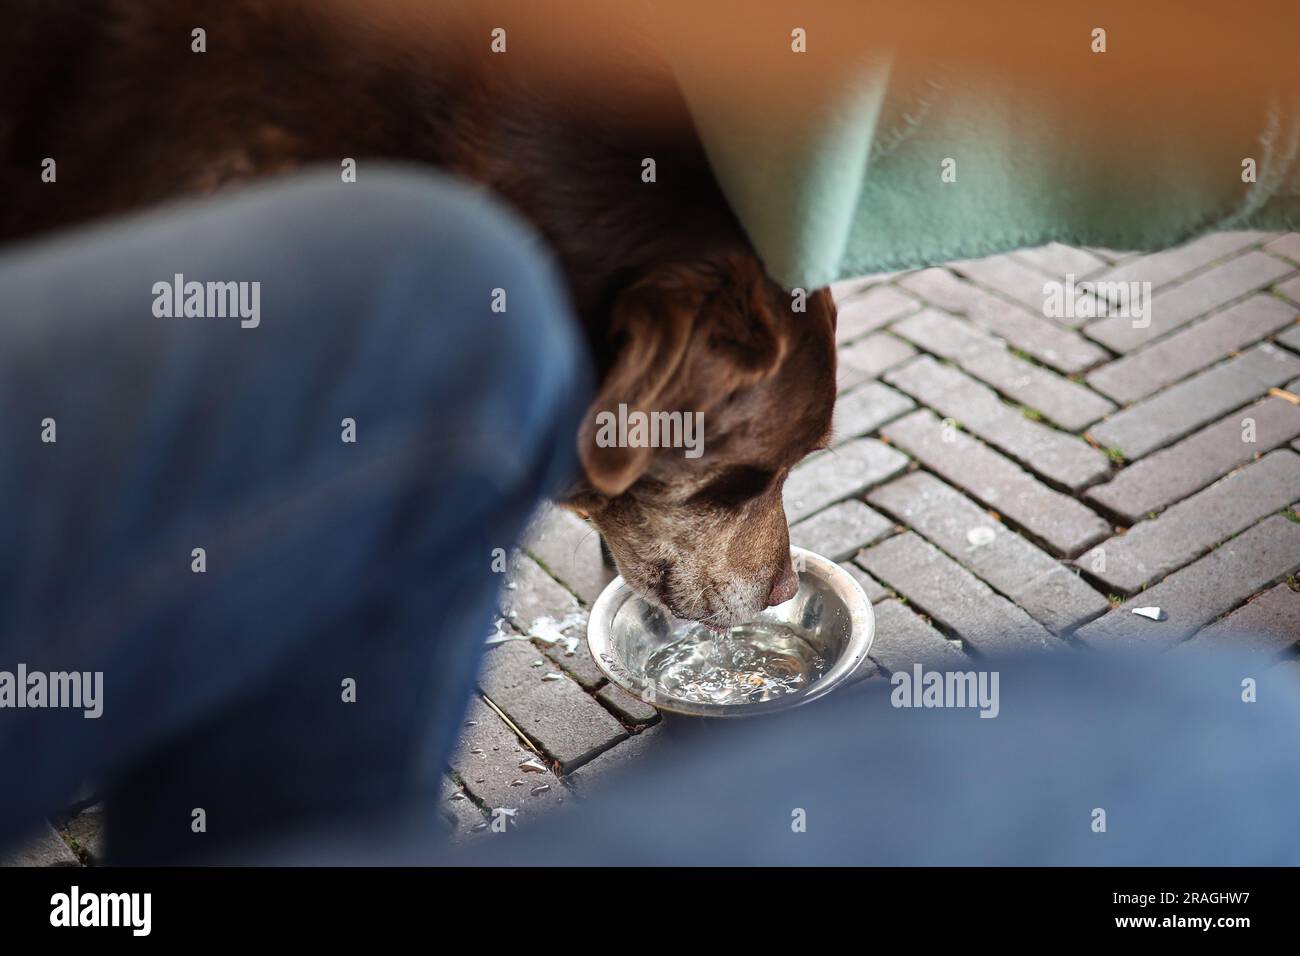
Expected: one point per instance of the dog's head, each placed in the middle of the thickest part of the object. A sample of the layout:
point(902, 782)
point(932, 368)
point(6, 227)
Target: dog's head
point(716, 345)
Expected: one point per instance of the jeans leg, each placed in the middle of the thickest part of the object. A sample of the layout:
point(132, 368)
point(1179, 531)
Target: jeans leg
point(1185, 768)
point(326, 560)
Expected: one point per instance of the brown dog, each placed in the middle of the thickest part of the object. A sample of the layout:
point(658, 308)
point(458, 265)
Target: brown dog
point(678, 312)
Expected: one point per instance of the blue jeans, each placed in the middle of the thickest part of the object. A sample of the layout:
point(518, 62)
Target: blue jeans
point(370, 562)
point(1183, 771)
point(326, 560)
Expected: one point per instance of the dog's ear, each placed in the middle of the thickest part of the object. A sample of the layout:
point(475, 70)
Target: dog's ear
point(651, 329)
point(683, 338)
point(748, 321)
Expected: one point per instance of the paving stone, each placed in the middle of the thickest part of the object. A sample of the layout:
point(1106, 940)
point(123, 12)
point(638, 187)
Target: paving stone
point(1008, 276)
point(1059, 457)
point(1290, 338)
point(487, 760)
point(951, 595)
point(1162, 363)
point(846, 472)
point(1062, 349)
point(1142, 428)
point(1179, 304)
point(940, 287)
point(1112, 255)
point(870, 311)
point(846, 289)
point(866, 358)
point(1169, 265)
point(841, 530)
point(85, 831)
point(631, 709)
point(42, 848)
point(1069, 404)
point(1287, 245)
point(1178, 471)
point(865, 671)
point(903, 639)
point(1290, 289)
point(1064, 525)
point(873, 589)
point(1061, 600)
point(1269, 623)
point(541, 608)
point(462, 815)
point(532, 600)
point(1052, 593)
point(569, 550)
point(864, 409)
point(1057, 259)
point(574, 657)
point(555, 714)
point(1151, 549)
point(634, 752)
point(1204, 590)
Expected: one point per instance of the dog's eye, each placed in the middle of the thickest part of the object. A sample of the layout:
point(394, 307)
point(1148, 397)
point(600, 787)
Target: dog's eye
point(735, 486)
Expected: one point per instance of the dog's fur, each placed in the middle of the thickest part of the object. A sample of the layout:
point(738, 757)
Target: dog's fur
point(677, 309)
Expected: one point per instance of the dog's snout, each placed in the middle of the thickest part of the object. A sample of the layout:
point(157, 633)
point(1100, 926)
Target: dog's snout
point(784, 585)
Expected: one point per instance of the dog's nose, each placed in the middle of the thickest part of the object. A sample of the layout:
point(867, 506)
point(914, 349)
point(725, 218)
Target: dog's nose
point(784, 585)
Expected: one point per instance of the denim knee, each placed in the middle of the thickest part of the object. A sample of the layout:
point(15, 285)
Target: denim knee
point(467, 288)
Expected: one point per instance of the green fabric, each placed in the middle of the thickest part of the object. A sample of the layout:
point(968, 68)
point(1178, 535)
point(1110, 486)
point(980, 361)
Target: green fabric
point(853, 185)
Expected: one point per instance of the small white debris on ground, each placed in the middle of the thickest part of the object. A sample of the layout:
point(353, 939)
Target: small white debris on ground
point(551, 631)
point(1152, 612)
point(500, 634)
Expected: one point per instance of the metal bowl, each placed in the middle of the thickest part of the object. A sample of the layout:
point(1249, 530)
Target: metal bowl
point(830, 614)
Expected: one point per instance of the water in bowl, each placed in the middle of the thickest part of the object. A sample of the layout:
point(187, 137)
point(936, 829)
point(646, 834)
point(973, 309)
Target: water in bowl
point(748, 664)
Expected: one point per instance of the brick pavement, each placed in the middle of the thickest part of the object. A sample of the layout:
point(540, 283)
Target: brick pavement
point(1000, 479)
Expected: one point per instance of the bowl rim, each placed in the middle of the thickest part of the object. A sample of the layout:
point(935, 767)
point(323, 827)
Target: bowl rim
point(862, 633)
